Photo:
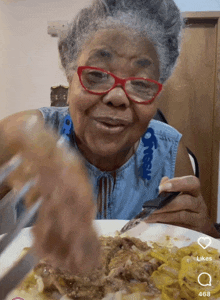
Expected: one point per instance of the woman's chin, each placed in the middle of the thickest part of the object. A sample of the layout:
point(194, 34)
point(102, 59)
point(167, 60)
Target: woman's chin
point(106, 152)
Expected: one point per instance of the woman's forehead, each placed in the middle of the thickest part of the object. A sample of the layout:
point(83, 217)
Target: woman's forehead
point(122, 42)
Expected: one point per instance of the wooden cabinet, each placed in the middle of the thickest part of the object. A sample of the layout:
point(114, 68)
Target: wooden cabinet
point(191, 98)
point(58, 96)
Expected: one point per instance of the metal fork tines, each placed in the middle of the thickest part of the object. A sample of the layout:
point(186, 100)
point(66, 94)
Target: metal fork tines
point(149, 207)
point(17, 272)
point(11, 199)
point(137, 219)
point(22, 222)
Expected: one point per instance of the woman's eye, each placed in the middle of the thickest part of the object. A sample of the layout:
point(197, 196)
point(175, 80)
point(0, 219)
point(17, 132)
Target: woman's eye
point(105, 53)
point(94, 75)
point(141, 84)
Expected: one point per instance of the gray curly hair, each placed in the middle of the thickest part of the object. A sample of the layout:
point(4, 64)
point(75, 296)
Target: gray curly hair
point(158, 20)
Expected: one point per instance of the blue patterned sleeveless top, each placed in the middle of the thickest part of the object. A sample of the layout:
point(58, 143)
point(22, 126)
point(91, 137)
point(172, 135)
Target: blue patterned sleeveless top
point(135, 182)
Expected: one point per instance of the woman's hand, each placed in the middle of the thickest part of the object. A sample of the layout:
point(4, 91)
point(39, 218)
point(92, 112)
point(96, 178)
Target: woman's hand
point(188, 209)
point(64, 232)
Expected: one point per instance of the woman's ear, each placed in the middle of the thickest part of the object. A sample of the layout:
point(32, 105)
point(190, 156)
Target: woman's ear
point(69, 79)
point(67, 102)
point(70, 75)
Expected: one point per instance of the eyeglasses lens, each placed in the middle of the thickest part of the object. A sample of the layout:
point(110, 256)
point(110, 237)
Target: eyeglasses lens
point(100, 82)
point(97, 81)
point(141, 90)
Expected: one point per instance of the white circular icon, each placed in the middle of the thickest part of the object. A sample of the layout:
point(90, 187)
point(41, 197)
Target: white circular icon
point(209, 281)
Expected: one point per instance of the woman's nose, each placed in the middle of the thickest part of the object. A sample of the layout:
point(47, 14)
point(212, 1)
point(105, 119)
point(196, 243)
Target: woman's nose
point(116, 97)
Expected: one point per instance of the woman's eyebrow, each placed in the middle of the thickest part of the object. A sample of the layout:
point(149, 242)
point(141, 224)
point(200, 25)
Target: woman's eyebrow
point(100, 53)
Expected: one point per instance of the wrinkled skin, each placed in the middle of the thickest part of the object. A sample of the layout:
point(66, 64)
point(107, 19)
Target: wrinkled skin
point(126, 54)
point(63, 233)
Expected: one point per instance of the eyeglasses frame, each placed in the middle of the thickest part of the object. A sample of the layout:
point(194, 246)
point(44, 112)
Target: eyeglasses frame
point(118, 82)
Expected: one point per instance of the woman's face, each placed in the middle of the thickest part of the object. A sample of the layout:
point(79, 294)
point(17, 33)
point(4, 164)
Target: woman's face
point(110, 123)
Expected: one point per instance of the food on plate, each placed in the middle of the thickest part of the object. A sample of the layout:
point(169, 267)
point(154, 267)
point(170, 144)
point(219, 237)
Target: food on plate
point(177, 276)
point(130, 269)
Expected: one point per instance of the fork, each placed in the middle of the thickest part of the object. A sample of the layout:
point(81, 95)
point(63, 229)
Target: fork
point(148, 208)
point(15, 275)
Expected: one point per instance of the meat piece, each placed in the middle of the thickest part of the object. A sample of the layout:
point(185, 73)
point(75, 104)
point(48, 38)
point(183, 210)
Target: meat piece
point(151, 266)
point(125, 266)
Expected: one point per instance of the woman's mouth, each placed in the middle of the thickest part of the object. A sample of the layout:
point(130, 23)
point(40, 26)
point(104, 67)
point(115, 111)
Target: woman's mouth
point(110, 125)
point(109, 128)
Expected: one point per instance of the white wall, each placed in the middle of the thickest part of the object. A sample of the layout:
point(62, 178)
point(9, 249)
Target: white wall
point(29, 57)
point(198, 5)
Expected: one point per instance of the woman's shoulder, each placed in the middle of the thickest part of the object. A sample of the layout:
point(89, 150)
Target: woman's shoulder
point(54, 116)
point(21, 118)
point(54, 112)
point(164, 131)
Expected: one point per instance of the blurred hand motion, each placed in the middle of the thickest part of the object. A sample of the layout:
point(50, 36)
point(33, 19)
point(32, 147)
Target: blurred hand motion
point(63, 233)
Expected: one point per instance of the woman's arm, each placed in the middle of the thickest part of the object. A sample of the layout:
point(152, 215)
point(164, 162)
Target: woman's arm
point(12, 130)
point(183, 163)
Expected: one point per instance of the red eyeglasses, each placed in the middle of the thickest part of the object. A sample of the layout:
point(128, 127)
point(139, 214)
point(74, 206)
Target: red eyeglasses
point(98, 81)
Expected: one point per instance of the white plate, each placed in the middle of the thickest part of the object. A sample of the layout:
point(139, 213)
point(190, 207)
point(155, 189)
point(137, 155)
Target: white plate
point(161, 233)
point(167, 235)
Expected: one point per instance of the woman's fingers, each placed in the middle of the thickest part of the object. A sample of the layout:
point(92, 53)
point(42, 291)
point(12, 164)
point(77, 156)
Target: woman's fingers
point(64, 233)
point(182, 202)
point(190, 219)
point(186, 184)
point(78, 252)
point(188, 209)
point(163, 180)
point(65, 239)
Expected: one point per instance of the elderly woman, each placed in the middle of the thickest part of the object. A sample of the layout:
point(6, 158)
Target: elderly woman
point(117, 55)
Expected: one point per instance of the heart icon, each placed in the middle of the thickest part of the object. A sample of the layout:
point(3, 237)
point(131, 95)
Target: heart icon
point(204, 241)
